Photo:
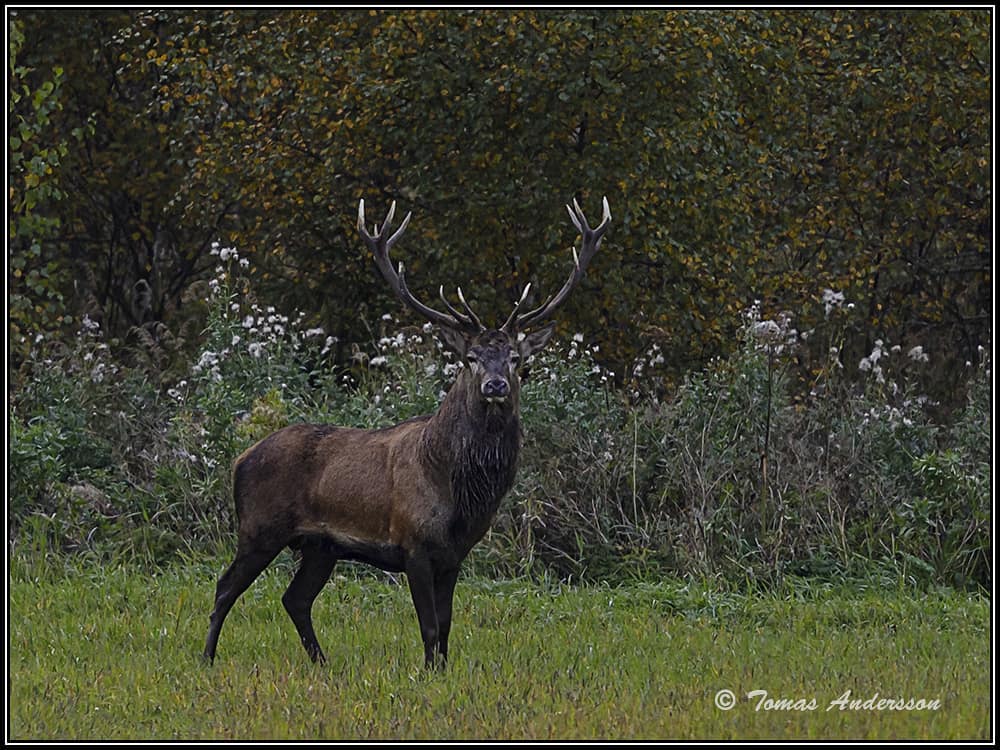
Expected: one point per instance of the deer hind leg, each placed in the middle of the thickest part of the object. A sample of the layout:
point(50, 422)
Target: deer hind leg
point(249, 563)
point(313, 573)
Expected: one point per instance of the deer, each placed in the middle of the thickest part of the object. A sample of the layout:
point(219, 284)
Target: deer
point(412, 498)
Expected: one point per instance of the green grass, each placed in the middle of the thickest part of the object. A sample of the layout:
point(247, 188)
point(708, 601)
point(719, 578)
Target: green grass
point(114, 653)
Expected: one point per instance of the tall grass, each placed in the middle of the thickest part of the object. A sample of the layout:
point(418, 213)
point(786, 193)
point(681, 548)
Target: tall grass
point(754, 469)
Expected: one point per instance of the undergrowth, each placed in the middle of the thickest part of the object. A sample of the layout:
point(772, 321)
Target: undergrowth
point(745, 473)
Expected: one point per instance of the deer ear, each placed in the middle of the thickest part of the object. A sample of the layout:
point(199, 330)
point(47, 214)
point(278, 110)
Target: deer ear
point(535, 341)
point(455, 341)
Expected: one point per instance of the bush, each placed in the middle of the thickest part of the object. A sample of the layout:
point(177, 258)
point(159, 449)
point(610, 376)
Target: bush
point(745, 472)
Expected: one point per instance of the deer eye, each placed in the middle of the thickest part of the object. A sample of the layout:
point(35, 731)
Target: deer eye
point(515, 357)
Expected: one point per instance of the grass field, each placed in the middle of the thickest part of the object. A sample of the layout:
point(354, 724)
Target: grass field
point(115, 654)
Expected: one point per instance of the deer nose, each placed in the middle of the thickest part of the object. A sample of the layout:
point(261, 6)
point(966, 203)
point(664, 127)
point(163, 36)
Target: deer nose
point(496, 388)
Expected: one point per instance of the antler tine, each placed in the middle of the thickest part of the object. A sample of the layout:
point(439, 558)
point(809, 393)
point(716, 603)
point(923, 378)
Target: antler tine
point(591, 242)
point(456, 314)
point(468, 309)
point(506, 327)
point(379, 243)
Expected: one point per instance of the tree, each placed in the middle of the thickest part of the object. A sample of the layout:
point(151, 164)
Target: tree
point(752, 154)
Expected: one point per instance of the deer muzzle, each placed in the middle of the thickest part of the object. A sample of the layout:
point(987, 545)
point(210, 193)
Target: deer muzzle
point(496, 390)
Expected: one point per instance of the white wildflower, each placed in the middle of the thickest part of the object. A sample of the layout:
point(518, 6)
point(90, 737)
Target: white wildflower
point(313, 332)
point(767, 330)
point(832, 301)
point(917, 354)
point(578, 338)
point(207, 359)
point(255, 349)
point(378, 361)
point(244, 263)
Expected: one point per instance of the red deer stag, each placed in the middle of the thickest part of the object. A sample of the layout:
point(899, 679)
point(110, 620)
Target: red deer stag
point(414, 497)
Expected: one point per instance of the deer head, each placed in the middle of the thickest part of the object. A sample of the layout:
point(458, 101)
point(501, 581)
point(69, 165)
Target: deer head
point(492, 355)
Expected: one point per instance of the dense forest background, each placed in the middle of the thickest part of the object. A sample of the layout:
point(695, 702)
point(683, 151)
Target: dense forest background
point(747, 155)
point(778, 360)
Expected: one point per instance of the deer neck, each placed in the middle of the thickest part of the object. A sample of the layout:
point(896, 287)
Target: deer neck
point(474, 447)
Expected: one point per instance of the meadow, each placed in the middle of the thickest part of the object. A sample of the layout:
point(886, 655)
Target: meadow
point(114, 653)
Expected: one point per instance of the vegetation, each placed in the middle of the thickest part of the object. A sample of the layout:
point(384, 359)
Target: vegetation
point(748, 154)
point(734, 475)
point(830, 162)
point(99, 654)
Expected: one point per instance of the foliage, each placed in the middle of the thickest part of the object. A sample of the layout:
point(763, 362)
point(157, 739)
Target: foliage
point(733, 475)
point(35, 154)
point(746, 154)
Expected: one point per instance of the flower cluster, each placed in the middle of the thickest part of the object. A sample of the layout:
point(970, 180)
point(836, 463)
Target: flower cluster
point(227, 254)
point(95, 354)
point(249, 339)
point(880, 354)
point(651, 358)
point(871, 362)
point(903, 415)
point(832, 301)
point(776, 336)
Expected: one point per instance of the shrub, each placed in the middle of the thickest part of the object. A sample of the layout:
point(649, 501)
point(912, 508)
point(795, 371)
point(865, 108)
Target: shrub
point(744, 472)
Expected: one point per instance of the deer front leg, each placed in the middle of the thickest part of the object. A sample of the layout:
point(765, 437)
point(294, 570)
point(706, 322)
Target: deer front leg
point(444, 590)
point(420, 577)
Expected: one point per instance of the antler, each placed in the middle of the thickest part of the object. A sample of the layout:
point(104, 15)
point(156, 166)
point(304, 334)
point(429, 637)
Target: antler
point(379, 243)
point(591, 242)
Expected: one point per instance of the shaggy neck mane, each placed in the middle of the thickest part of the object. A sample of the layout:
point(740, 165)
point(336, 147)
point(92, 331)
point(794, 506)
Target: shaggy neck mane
point(477, 444)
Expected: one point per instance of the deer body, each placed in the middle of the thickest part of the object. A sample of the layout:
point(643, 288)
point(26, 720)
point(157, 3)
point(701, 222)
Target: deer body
point(414, 497)
point(378, 495)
